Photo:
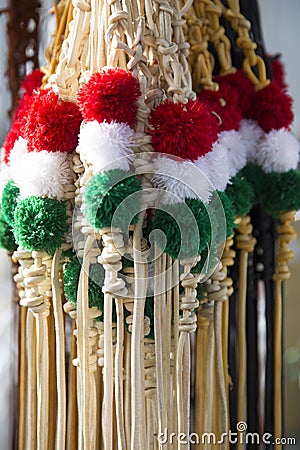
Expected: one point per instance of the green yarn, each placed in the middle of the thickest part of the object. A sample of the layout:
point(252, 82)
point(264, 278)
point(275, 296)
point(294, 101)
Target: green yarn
point(105, 192)
point(241, 194)
point(71, 280)
point(229, 213)
point(10, 195)
point(186, 227)
point(254, 175)
point(200, 292)
point(204, 265)
point(40, 224)
point(280, 192)
point(7, 239)
point(275, 191)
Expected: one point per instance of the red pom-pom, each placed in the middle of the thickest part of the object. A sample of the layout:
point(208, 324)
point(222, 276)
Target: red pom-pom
point(32, 81)
point(272, 108)
point(110, 95)
point(244, 87)
point(18, 124)
point(10, 140)
point(224, 102)
point(52, 124)
point(279, 72)
point(187, 131)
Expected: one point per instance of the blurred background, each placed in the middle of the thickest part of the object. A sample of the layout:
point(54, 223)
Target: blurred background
point(281, 29)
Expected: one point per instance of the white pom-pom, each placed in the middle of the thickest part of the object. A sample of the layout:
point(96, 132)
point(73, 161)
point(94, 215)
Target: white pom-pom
point(180, 178)
point(18, 151)
point(103, 144)
point(43, 174)
point(251, 134)
point(278, 151)
point(215, 165)
point(5, 176)
point(236, 150)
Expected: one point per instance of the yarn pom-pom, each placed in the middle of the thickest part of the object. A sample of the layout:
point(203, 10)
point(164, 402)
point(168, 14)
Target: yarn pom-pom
point(251, 135)
point(106, 144)
point(215, 165)
point(255, 177)
point(241, 194)
point(71, 275)
point(7, 239)
point(225, 103)
point(187, 131)
point(228, 211)
point(107, 191)
point(32, 81)
point(279, 72)
point(40, 224)
point(281, 192)
point(239, 81)
point(236, 150)
point(42, 174)
point(53, 124)
point(180, 178)
point(272, 108)
point(10, 196)
point(110, 95)
point(9, 143)
point(185, 228)
point(278, 151)
point(5, 176)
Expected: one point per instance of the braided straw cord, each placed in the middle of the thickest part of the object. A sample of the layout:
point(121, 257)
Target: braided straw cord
point(242, 26)
point(216, 33)
point(286, 235)
point(245, 242)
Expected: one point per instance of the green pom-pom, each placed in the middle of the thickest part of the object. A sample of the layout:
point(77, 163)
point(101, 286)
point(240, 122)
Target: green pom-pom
point(241, 194)
point(186, 228)
point(207, 262)
point(10, 196)
point(71, 280)
point(105, 192)
point(40, 224)
point(281, 192)
point(229, 212)
point(7, 239)
point(255, 176)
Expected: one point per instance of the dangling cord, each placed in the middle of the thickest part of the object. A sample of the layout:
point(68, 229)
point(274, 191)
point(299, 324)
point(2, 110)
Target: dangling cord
point(187, 325)
point(245, 242)
point(113, 248)
point(39, 306)
point(227, 261)
point(29, 441)
point(286, 235)
point(217, 293)
point(60, 352)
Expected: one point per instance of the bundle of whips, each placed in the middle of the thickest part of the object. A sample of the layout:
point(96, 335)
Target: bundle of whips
point(272, 160)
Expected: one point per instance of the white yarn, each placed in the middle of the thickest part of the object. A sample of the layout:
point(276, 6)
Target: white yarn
point(180, 178)
point(43, 174)
point(251, 134)
point(278, 151)
point(5, 176)
point(103, 144)
point(17, 152)
point(215, 165)
point(237, 151)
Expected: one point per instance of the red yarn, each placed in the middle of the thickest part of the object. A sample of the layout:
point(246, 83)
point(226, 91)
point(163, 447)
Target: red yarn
point(224, 102)
point(272, 108)
point(279, 72)
point(32, 81)
point(110, 95)
point(52, 124)
point(187, 131)
point(18, 124)
point(244, 87)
